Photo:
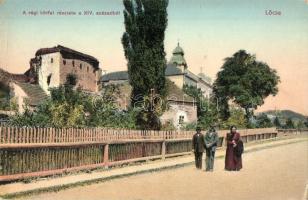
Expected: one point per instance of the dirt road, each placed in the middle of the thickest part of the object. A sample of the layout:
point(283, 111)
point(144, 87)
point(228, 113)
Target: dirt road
point(279, 173)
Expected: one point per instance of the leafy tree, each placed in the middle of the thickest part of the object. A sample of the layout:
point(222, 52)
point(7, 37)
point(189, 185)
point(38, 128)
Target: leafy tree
point(168, 126)
point(104, 111)
point(300, 124)
point(237, 118)
point(4, 97)
point(306, 122)
point(207, 112)
point(277, 122)
point(68, 107)
point(244, 81)
point(196, 93)
point(30, 118)
point(263, 121)
point(143, 42)
point(191, 126)
point(289, 124)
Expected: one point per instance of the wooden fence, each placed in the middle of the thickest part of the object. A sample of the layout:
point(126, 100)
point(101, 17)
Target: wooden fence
point(31, 152)
point(286, 132)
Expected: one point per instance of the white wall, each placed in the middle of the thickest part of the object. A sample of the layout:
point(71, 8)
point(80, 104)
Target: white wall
point(49, 68)
point(19, 95)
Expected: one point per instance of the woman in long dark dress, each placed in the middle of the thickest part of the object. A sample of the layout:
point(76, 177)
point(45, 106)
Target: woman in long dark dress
point(232, 161)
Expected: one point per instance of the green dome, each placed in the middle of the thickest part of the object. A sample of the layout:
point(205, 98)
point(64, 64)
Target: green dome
point(178, 57)
point(178, 50)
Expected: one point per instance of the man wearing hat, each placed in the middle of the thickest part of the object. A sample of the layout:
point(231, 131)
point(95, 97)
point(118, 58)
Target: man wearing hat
point(211, 142)
point(198, 147)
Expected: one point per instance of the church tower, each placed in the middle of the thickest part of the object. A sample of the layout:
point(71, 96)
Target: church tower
point(178, 58)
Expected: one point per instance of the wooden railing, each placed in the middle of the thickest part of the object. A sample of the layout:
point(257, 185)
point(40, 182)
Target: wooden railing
point(286, 132)
point(26, 135)
point(31, 152)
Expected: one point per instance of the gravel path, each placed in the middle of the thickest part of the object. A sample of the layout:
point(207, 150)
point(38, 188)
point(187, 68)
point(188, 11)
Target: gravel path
point(279, 173)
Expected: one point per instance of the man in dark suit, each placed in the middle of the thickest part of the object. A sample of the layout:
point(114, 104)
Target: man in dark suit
point(198, 147)
point(211, 141)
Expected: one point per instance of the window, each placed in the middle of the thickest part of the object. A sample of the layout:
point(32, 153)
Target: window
point(48, 79)
point(181, 119)
point(64, 62)
point(80, 66)
point(73, 63)
point(51, 60)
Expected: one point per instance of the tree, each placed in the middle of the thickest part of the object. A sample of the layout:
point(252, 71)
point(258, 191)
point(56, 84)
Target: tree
point(300, 124)
point(289, 124)
point(68, 107)
point(237, 118)
point(277, 122)
point(244, 81)
point(4, 96)
point(306, 122)
point(143, 42)
point(263, 121)
point(207, 112)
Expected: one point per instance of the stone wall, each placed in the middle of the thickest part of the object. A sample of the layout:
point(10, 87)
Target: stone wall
point(87, 76)
point(49, 68)
point(54, 69)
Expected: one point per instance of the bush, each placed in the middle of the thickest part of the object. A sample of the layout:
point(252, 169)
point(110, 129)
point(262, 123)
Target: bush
point(68, 107)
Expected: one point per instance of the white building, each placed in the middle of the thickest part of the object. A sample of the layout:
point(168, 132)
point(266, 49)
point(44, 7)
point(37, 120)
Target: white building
point(52, 65)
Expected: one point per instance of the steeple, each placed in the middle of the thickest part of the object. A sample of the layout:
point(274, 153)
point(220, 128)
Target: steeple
point(178, 57)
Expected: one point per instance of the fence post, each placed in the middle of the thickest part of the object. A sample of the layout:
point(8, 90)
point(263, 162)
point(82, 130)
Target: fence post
point(163, 150)
point(222, 141)
point(106, 155)
point(1, 134)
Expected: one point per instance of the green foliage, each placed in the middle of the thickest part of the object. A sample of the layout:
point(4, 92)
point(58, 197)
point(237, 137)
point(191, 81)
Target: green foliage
point(244, 81)
point(306, 122)
point(237, 118)
point(4, 97)
point(196, 93)
point(285, 114)
point(3, 117)
point(30, 118)
point(143, 42)
point(300, 124)
point(148, 113)
point(289, 124)
point(207, 112)
point(4, 104)
point(168, 126)
point(282, 116)
point(263, 121)
point(68, 107)
point(191, 126)
point(277, 122)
